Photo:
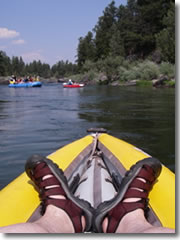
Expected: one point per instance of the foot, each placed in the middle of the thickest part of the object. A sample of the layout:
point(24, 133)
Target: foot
point(53, 190)
point(133, 195)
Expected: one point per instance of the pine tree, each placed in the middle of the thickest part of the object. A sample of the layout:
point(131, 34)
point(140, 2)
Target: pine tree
point(103, 31)
point(166, 38)
point(116, 43)
point(86, 49)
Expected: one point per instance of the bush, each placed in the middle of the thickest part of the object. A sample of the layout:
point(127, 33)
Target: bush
point(117, 68)
point(76, 77)
point(127, 75)
point(122, 71)
point(88, 66)
point(148, 70)
point(168, 69)
point(92, 75)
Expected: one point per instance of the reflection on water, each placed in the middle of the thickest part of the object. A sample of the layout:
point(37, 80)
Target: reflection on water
point(142, 116)
point(40, 120)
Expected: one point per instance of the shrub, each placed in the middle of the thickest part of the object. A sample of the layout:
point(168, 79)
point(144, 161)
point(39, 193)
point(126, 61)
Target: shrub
point(88, 65)
point(92, 75)
point(148, 70)
point(167, 69)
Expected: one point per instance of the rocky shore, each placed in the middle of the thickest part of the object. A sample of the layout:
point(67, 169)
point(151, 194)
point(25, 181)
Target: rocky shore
point(162, 81)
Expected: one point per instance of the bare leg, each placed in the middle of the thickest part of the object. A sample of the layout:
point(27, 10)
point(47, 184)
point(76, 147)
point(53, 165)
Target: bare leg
point(55, 220)
point(135, 222)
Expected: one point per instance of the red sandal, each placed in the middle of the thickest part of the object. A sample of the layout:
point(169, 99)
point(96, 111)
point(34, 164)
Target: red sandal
point(36, 168)
point(148, 169)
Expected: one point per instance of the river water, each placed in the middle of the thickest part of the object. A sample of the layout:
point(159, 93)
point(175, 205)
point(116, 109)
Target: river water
point(40, 120)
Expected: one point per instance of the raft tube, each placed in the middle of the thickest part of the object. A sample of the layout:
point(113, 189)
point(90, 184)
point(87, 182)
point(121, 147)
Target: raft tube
point(75, 85)
point(25, 84)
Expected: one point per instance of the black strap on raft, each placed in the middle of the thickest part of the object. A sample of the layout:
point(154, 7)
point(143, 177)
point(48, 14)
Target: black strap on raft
point(96, 130)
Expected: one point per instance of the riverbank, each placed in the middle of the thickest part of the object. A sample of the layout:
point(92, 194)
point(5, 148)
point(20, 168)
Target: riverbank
point(162, 81)
point(119, 72)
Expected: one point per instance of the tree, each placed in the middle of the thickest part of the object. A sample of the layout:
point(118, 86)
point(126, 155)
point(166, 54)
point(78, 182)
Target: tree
point(116, 43)
point(61, 69)
point(128, 26)
point(103, 31)
point(5, 64)
point(17, 65)
point(165, 39)
point(86, 49)
point(150, 15)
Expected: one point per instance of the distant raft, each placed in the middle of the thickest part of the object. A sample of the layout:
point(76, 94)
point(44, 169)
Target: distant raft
point(25, 84)
point(74, 85)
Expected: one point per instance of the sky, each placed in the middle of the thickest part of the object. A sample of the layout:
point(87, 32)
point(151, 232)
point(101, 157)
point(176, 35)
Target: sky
point(47, 30)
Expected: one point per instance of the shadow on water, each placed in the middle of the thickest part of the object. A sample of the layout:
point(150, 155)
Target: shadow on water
point(42, 120)
point(142, 116)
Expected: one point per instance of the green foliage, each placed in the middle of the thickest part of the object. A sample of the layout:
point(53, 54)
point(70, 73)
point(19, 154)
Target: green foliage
point(145, 70)
point(134, 31)
point(92, 75)
point(144, 83)
point(167, 69)
point(148, 70)
point(77, 77)
point(17, 67)
point(104, 31)
point(117, 69)
point(116, 43)
point(166, 37)
point(170, 83)
point(37, 68)
point(119, 47)
point(88, 65)
point(63, 69)
point(3, 59)
point(86, 49)
point(110, 67)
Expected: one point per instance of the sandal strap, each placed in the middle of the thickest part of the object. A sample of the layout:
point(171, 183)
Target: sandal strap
point(134, 193)
point(49, 182)
point(53, 191)
point(136, 183)
point(74, 212)
point(41, 172)
point(122, 208)
point(147, 173)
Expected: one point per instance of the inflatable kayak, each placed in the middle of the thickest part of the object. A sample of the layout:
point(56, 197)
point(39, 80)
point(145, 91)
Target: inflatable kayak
point(25, 84)
point(98, 162)
point(74, 85)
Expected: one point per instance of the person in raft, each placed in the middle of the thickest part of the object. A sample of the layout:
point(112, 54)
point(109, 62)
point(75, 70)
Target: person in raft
point(62, 212)
point(70, 82)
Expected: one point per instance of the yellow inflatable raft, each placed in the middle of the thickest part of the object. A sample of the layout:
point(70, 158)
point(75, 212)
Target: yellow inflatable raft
point(92, 159)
